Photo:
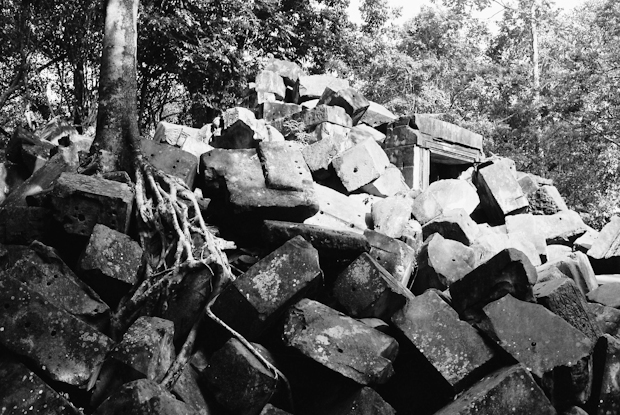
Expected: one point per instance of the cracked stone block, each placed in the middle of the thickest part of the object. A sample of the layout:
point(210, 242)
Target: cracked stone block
point(350, 99)
point(607, 318)
point(442, 196)
point(605, 250)
point(454, 348)
point(398, 258)
point(79, 202)
point(376, 115)
point(338, 211)
point(255, 299)
point(269, 81)
point(143, 397)
point(546, 344)
point(561, 228)
point(606, 294)
point(172, 160)
point(274, 110)
point(361, 132)
point(366, 289)
point(577, 267)
point(609, 397)
point(391, 215)
point(284, 166)
point(507, 272)
point(453, 224)
point(388, 184)
point(363, 401)
point(507, 390)
point(191, 140)
point(322, 114)
point(111, 263)
point(360, 165)
point(339, 342)
point(312, 86)
point(441, 262)
point(42, 270)
point(239, 380)
point(526, 225)
point(62, 346)
point(23, 392)
point(500, 193)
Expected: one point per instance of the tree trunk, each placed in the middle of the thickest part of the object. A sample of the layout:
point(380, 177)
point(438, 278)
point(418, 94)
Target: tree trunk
point(535, 59)
point(117, 119)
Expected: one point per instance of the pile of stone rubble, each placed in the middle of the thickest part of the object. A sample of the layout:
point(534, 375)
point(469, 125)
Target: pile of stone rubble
point(382, 266)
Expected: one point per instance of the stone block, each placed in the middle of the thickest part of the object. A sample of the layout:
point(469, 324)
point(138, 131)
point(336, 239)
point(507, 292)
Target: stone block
point(271, 111)
point(318, 156)
point(21, 225)
point(269, 409)
point(528, 185)
point(171, 160)
point(398, 258)
point(23, 392)
point(526, 225)
point(607, 318)
point(388, 184)
point(238, 129)
point(288, 70)
point(270, 81)
point(361, 132)
point(338, 211)
point(454, 348)
point(447, 131)
point(453, 224)
point(143, 397)
point(284, 166)
point(577, 267)
point(390, 215)
point(546, 200)
point(191, 140)
point(507, 272)
point(507, 390)
point(35, 154)
point(79, 202)
point(255, 299)
point(563, 297)
point(360, 165)
point(546, 344)
point(111, 263)
point(561, 228)
point(62, 346)
point(606, 294)
point(350, 99)
point(324, 113)
point(605, 250)
point(239, 381)
point(337, 133)
point(556, 252)
point(609, 397)
point(312, 86)
point(490, 243)
point(442, 196)
point(366, 289)
point(377, 115)
point(340, 343)
point(362, 401)
point(585, 241)
point(441, 262)
point(42, 270)
point(500, 193)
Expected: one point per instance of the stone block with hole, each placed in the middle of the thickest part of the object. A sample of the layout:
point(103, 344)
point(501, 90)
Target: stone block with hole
point(366, 289)
point(284, 166)
point(111, 263)
point(360, 165)
point(79, 202)
point(455, 349)
point(42, 270)
point(350, 99)
point(240, 382)
point(398, 258)
point(171, 160)
point(338, 211)
point(339, 342)
point(63, 347)
point(255, 299)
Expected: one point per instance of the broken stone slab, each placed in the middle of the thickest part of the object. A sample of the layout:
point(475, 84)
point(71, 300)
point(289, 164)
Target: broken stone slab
point(390, 215)
point(606, 294)
point(23, 392)
point(312, 86)
point(563, 297)
point(188, 390)
point(390, 183)
point(454, 348)
point(324, 113)
point(494, 239)
point(605, 250)
point(363, 401)
point(270, 81)
point(339, 342)
point(376, 115)
point(366, 289)
point(561, 228)
point(79, 202)
point(361, 132)
point(143, 396)
point(192, 140)
point(528, 185)
point(318, 156)
point(360, 164)
point(238, 129)
point(447, 131)
point(577, 267)
point(239, 380)
point(338, 211)
point(500, 193)
point(607, 318)
point(507, 390)
point(344, 244)
point(35, 154)
point(171, 160)
point(255, 299)
point(609, 397)
point(441, 262)
point(546, 344)
point(111, 263)
point(274, 110)
point(350, 99)
point(288, 70)
point(585, 241)
point(442, 196)
point(284, 166)
point(453, 224)
point(337, 133)
point(546, 200)
point(62, 346)
point(42, 270)
point(510, 271)
point(398, 258)
point(526, 225)
point(556, 252)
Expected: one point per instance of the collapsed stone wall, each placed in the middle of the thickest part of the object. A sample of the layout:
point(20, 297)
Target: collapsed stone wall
point(369, 288)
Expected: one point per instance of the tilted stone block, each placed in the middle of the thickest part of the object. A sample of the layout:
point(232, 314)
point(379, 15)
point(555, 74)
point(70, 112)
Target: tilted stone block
point(388, 184)
point(361, 132)
point(390, 215)
point(561, 228)
point(606, 294)
point(507, 390)
point(442, 196)
point(527, 226)
point(65, 348)
point(350, 99)
point(577, 267)
point(171, 160)
point(284, 166)
point(270, 111)
point(240, 382)
point(191, 140)
point(338, 211)
point(454, 348)
point(447, 131)
point(546, 200)
point(290, 71)
point(323, 113)
point(362, 401)
point(398, 258)
point(339, 342)
point(255, 299)
point(360, 165)
point(377, 114)
point(269, 81)
point(607, 318)
point(312, 86)
point(453, 224)
point(605, 248)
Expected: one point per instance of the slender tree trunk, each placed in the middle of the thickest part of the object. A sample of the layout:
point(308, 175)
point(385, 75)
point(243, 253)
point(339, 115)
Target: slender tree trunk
point(535, 58)
point(117, 119)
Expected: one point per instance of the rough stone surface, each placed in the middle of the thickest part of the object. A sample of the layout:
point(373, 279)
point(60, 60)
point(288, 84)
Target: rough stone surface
point(577, 267)
point(253, 301)
point(607, 318)
point(284, 166)
point(561, 228)
point(360, 165)
point(526, 225)
point(364, 401)
point(269, 81)
point(445, 195)
point(338, 211)
point(395, 256)
point(171, 160)
point(606, 247)
point(607, 294)
point(377, 114)
point(609, 398)
point(361, 132)
point(453, 347)
point(500, 193)
point(350, 99)
point(453, 224)
point(390, 215)
point(340, 343)
point(191, 140)
point(388, 184)
point(447, 131)
point(272, 110)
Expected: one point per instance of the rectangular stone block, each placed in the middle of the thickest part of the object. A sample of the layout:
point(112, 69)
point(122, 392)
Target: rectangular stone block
point(453, 224)
point(609, 397)
point(171, 160)
point(388, 184)
point(577, 267)
point(191, 140)
point(361, 132)
point(500, 193)
point(377, 115)
point(338, 211)
point(360, 164)
point(561, 228)
point(254, 300)
point(22, 225)
point(312, 86)
point(270, 111)
point(447, 131)
point(605, 249)
point(284, 166)
point(269, 81)
point(350, 99)
point(398, 258)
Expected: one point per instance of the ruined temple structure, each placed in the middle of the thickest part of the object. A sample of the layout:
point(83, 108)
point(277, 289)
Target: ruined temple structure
point(383, 265)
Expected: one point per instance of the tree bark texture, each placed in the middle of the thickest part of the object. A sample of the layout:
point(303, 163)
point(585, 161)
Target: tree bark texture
point(117, 118)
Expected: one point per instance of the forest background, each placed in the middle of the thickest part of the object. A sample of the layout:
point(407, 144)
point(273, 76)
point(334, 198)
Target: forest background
point(540, 84)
